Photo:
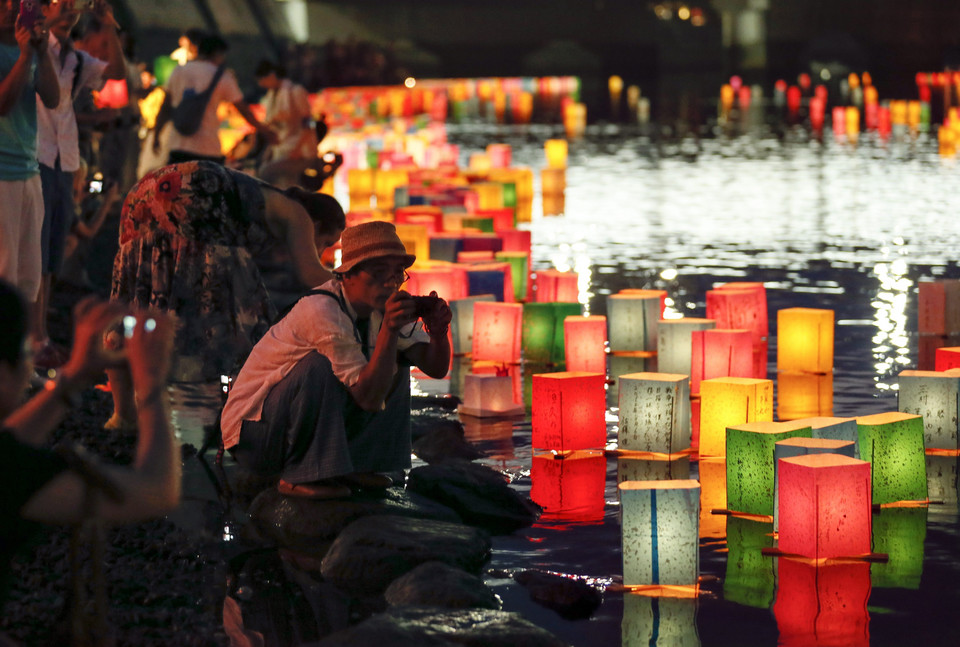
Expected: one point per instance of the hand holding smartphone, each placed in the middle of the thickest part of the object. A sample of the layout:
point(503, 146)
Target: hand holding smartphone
point(30, 13)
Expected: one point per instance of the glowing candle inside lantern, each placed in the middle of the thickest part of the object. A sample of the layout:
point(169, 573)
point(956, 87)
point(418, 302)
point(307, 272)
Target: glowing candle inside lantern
point(824, 506)
point(489, 396)
point(568, 411)
point(633, 322)
point(543, 336)
point(569, 487)
point(654, 412)
point(497, 331)
point(750, 463)
point(805, 340)
point(674, 344)
point(659, 525)
point(893, 443)
point(935, 397)
point(729, 401)
point(720, 353)
point(585, 343)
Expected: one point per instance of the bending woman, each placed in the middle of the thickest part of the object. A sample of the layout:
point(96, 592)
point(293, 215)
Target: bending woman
point(191, 235)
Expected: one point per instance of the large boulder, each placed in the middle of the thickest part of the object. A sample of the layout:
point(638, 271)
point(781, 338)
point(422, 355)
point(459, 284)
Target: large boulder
point(480, 495)
point(373, 551)
point(429, 627)
point(572, 599)
point(302, 524)
point(440, 585)
point(444, 444)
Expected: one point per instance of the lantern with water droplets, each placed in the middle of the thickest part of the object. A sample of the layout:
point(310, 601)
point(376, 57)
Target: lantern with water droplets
point(801, 446)
point(654, 412)
point(750, 463)
point(720, 353)
point(750, 575)
point(935, 397)
point(899, 533)
point(543, 333)
point(893, 443)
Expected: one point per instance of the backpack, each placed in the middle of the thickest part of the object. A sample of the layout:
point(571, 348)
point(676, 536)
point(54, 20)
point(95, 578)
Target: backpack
point(188, 114)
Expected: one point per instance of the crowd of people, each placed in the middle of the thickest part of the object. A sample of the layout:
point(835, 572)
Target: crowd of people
point(208, 258)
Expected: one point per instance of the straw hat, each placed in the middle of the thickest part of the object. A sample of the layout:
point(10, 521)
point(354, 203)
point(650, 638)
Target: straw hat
point(370, 240)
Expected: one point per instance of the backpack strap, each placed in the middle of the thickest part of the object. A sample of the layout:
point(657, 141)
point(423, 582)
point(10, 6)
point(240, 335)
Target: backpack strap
point(77, 74)
point(216, 78)
point(311, 293)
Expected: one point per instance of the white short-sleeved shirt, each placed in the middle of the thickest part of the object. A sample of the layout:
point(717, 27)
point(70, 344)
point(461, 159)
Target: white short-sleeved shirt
point(319, 323)
point(57, 127)
point(197, 76)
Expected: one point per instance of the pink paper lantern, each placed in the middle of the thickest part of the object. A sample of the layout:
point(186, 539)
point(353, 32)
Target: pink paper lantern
point(515, 240)
point(497, 331)
point(418, 214)
point(824, 506)
point(553, 286)
point(113, 95)
point(585, 344)
point(720, 353)
point(568, 411)
point(449, 282)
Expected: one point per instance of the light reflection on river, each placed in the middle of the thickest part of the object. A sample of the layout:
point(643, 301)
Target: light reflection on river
point(822, 224)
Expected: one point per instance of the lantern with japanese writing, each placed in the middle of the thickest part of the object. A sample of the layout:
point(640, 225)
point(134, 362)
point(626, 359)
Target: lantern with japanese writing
point(750, 463)
point(568, 411)
point(674, 343)
point(729, 401)
point(801, 446)
point(654, 412)
point(893, 444)
point(497, 331)
point(659, 526)
point(584, 345)
point(569, 486)
point(935, 397)
point(938, 307)
point(824, 506)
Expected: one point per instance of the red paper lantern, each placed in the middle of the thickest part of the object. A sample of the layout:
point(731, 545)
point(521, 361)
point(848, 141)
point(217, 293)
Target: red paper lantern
point(449, 282)
point(793, 99)
point(947, 357)
point(839, 120)
point(569, 487)
point(804, 81)
point(740, 306)
point(720, 353)
point(515, 240)
point(568, 411)
point(503, 217)
point(553, 286)
point(497, 331)
point(113, 95)
point(585, 344)
point(824, 506)
point(404, 215)
point(818, 109)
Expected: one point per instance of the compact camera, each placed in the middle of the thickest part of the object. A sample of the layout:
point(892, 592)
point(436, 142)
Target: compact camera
point(425, 304)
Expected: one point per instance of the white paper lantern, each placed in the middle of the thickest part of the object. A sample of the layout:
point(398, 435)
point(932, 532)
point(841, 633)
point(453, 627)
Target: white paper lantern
point(461, 325)
point(489, 396)
point(935, 396)
point(632, 322)
point(654, 412)
point(674, 344)
point(659, 531)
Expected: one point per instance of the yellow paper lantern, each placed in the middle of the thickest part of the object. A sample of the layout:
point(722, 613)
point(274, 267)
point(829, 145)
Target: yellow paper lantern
point(805, 340)
point(556, 152)
point(804, 395)
point(727, 402)
point(416, 241)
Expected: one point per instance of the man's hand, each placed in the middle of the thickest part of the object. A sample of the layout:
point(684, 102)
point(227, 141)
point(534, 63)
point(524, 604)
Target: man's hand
point(400, 311)
point(89, 356)
point(148, 350)
point(437, 321)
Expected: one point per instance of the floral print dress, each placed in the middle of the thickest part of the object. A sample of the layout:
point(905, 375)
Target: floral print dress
point(188, 236)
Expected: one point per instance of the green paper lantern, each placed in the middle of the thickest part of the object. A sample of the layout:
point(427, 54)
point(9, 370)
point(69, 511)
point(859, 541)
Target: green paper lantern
point(899, 533)
point(483, 224)
point(510, 195)
point(750, 575)
point(163, 67)
point(543, 340)
point(893, 445)
point(750, 463)
point(519, 271)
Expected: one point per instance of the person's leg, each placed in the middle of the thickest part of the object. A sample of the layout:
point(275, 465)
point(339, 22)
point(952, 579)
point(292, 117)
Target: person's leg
point(380, 442)
point(29, 251)
point(50, 186)
point(11, 197)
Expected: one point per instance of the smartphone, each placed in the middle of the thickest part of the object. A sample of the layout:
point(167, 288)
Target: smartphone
point(129, 323)
point(96, 186)
point(30, 13)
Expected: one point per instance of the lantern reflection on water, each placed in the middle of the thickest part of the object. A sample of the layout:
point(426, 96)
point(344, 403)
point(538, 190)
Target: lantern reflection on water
point(659, 526)
point(568, 411)
point(750, 463)
point(824, 506)
point(663, 621)
point(750, 574)
point(899, 533)
point(804, 395)
point(942, 482)
point(729, 401)
point(652, 468)
point(713, 496)
point(822, 604)
point(935, 397)
point(654, 412)
point(893, 444)
point(570, 486)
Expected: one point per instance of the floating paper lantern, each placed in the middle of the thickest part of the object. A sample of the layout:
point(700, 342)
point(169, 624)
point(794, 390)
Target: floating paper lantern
point(568, 411)
point(414, 238)
point(720, 353)
point(899, 533)
point(501, 219)
point(805, 340)
point(833, 429)
point(519, 271)
point(490, 278)
point(822, 604)
point(942, 481)
point(824, 506)
point(515, 240)
point(445, 247)
point(543, 334)
point(750, 463)
point(499, 155)
point(550, 286)
point(712, 473)
point(643, 292)
point(801, 446)
point(497, 330)
point(740, 306)
point(665, 467)
point(654, 412)
point(475, 258)
point(584, 345)
point(804, 395)
point(553, 181)
point(625, 363)
point(482, 242)
point(893, 444)
point(935, 397)
point(947, 357)
point(570, 486)
point(632, 322)
point(674, 344)
point(408, 215)
point(489, 195)
point(113, 95)
point(475, 223)
point(385, 183)
point(489, 396)
point(649, 620)
point(448, 282)
point(556, 152)
point(729, 401)
point(750, 575)
point(659, 525)
point(938, 307)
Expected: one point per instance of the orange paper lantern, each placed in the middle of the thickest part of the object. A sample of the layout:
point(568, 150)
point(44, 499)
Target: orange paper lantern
point(553, 286)
point(497, 331)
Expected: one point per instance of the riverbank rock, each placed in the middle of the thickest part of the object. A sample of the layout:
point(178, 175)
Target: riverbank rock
point(440, 585)
point(572, 599)
point(373, 551)
point(444, 444)
point(480, 495)
point(429, 627)
point(300, 523)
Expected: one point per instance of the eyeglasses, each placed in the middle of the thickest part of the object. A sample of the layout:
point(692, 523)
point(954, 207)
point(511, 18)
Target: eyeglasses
point(387, 275)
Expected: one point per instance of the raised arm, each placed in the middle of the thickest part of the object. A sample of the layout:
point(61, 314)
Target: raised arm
point(18, 78)
point(288, 221)
point(376, 378)
point(433, 358)
point(116, 63)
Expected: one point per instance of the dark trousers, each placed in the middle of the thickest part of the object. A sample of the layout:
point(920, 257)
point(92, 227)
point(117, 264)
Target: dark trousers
point(311, 429)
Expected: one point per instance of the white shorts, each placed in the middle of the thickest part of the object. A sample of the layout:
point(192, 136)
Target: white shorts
point(21, 224)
